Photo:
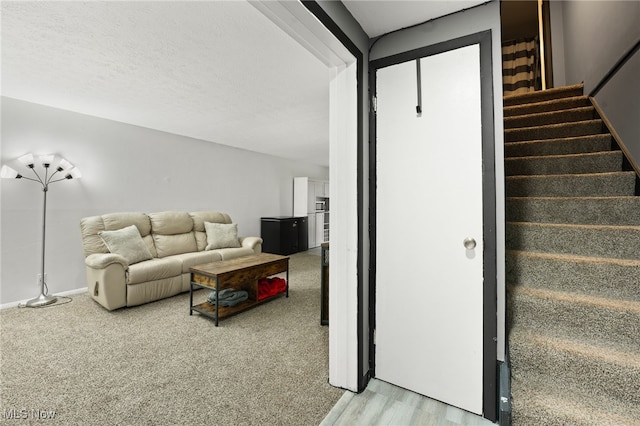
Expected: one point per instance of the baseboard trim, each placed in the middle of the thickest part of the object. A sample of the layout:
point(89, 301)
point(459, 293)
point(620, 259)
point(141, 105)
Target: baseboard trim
point(62, 294)
point(504, 413)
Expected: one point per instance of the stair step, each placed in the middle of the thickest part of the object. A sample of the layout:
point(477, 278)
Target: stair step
point(596, 162)
point(571, 364)
point(572, 264)
point(610, 323)
point(619, 242)
point(577, 210)
point(542, 400)
point(544, 95)
point(555, 117)
point(554, 131)
point(576, 185)
point(574, 145)
point(602, 277)
point(547, 106)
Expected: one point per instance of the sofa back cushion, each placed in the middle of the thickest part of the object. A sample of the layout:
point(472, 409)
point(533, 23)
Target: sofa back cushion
point(172, 233)
point(199, 218)
point(91, 226)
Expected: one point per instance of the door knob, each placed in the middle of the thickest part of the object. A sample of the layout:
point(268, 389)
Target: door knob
point(469, 243)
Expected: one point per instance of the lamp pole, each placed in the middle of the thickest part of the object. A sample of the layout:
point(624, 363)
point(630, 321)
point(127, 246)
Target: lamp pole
point(44, 298)
point(70, 173)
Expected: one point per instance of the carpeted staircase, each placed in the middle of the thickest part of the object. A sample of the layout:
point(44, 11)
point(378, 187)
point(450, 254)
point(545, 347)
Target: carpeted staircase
point(573, 265)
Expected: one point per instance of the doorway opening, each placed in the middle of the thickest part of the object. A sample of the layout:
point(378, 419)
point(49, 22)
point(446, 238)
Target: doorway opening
point(312, 27)
point(526, 46)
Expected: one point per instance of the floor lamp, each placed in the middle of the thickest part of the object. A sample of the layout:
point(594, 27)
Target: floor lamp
point(63, 170)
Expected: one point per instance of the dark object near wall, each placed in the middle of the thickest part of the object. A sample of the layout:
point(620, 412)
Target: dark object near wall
point(284, 235)
point(324, 285)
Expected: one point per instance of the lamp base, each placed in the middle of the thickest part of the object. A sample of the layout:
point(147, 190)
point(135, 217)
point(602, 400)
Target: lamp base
point(41, 300)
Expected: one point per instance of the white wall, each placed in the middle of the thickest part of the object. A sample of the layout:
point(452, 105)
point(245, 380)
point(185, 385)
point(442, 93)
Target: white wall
point(482, 18)
point(125, 168)
point(596, 35)
point(557, 43)
point(620, 102)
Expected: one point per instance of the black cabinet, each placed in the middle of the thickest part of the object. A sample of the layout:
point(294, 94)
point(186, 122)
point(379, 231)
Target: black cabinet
point(284, 235)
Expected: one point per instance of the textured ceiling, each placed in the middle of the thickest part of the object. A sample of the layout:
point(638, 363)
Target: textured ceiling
point(218, 71)
point(379, 17)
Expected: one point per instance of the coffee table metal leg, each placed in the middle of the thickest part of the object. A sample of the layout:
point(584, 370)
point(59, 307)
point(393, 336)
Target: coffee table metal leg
point(190, 298)
point(217, 302)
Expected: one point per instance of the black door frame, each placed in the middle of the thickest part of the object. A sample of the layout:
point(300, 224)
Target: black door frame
point(490, 362)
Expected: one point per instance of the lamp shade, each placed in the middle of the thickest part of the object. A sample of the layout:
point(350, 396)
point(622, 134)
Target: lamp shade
point(27, 160)
point(74, 173)
point(64, 165)
point(8, 173)
point(46, 160)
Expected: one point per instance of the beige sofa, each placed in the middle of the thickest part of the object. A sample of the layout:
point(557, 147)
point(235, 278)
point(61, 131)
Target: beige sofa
point(158, 267)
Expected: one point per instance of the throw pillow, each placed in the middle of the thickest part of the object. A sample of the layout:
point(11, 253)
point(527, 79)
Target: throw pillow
point(126, 242)
point(221, 235)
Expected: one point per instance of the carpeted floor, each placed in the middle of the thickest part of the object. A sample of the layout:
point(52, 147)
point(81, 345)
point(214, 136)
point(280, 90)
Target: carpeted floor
point(572, 264)
point(154, 364)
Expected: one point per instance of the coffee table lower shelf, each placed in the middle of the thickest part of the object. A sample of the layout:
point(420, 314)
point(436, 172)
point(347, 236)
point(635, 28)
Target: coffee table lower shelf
point(209, 310)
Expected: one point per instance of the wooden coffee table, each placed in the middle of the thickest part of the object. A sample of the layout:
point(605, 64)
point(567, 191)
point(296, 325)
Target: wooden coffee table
point(241, 273)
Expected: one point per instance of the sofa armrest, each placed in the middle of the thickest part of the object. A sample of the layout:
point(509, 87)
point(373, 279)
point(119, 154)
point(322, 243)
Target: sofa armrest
point(102, 260)
point(254, 243)
point(107, 279)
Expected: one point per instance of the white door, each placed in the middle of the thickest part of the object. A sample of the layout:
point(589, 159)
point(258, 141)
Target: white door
point(429, 287)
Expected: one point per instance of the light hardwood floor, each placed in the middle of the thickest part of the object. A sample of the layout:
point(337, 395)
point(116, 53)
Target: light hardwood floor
point(384, 404)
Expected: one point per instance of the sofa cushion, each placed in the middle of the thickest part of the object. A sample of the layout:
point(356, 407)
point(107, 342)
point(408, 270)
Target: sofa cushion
point(172, 233)
point(154, 269)
point(114, 221)
point(171, 223)
point(221, 235)
point(91, 241)
point(169, 245)
point(198, 258)
point(90, 226)
point(199, 218)
point(126, 242)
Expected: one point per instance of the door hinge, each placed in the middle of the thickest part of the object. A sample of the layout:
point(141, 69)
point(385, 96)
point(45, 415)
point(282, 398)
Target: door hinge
point(374, 104)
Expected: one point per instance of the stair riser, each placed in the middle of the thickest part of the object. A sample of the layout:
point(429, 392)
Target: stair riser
point(591, 374)
point(609, 185)
point(593, 278)
point(559, 319)
point(559, 146)
point(547, 106)
point(557, 117)
point(586, 163)
point(554, 131)
point(613, 243)
point(544, 95)
point(537, 401)
point(588, 211)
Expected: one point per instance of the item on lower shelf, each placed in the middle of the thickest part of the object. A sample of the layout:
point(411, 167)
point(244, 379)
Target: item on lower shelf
point(227, 297)
point(268, 287)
